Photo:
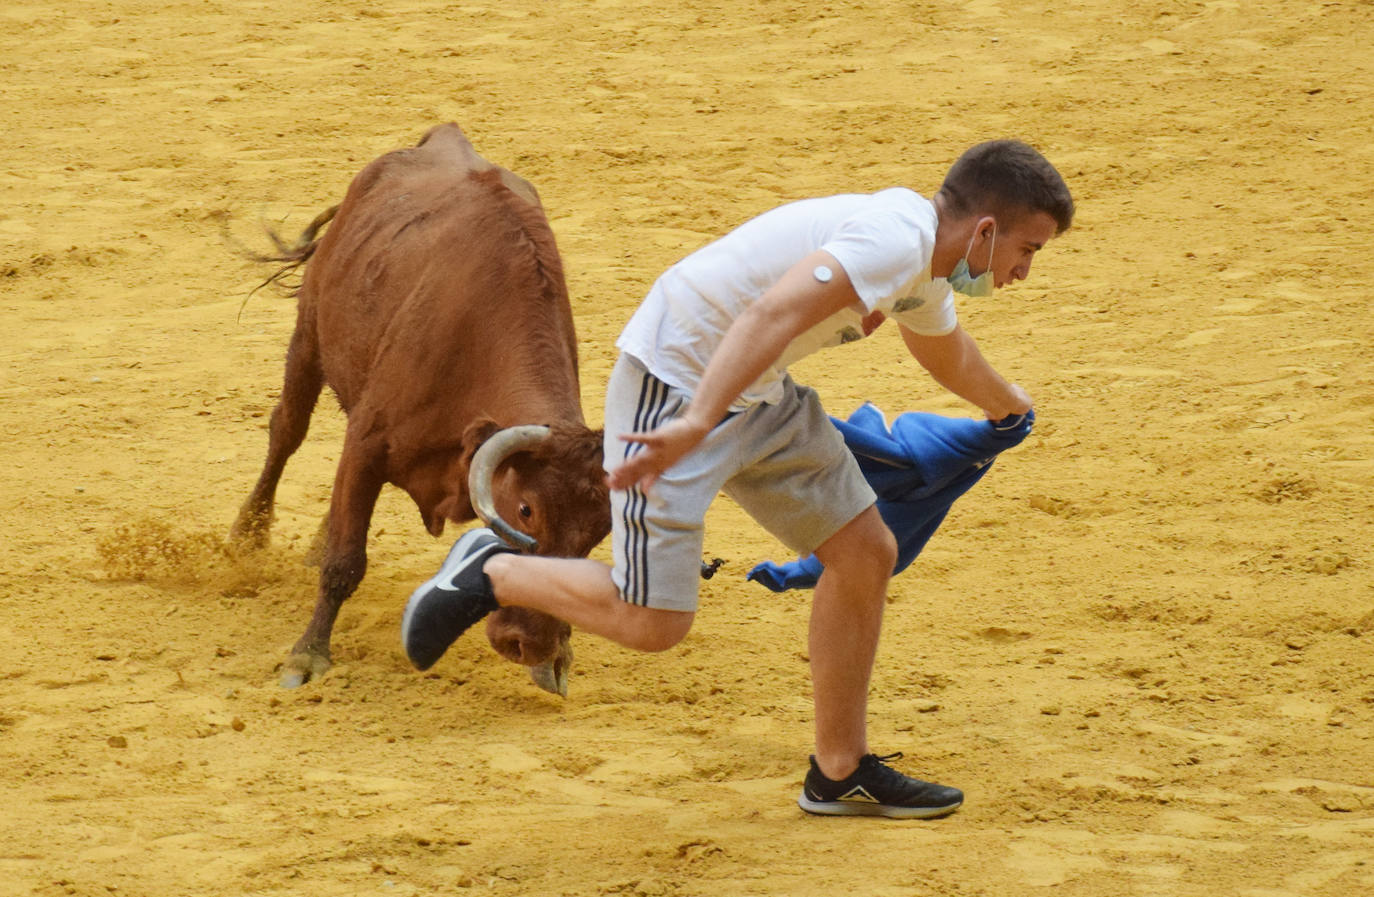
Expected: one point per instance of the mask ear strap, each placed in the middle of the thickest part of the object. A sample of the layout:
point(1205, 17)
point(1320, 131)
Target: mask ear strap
point(969, 248)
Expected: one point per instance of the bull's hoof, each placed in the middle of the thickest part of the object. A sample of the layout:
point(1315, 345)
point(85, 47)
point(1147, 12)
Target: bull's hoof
point(301, 668)
point(251, 532)
point(552, 675)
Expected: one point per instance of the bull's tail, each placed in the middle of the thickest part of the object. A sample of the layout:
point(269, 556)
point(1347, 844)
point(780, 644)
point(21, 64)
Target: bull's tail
point(290, 256)
point(297, 253)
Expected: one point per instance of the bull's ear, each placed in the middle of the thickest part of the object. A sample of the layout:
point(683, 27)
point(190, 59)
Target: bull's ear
point(477, 432)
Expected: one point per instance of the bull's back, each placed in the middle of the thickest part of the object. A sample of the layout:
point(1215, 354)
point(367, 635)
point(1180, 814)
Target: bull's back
point(429, 257)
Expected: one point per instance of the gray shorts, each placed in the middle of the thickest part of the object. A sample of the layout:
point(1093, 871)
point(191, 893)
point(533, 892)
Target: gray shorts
point(785, 464)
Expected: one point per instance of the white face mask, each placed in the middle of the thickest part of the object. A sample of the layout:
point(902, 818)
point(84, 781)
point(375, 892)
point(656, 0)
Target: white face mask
point(961, 281)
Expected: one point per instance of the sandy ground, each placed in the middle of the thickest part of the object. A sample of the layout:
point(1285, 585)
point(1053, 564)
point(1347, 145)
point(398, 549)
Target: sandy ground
point(1142, 645)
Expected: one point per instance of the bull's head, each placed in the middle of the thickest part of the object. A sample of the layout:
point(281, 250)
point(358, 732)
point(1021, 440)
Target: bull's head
point(543, 490)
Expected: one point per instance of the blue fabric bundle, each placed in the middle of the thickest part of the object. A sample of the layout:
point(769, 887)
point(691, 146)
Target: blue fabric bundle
point(918, 469)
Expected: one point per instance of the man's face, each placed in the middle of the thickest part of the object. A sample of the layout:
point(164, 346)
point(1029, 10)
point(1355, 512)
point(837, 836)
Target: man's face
point(1015, 248)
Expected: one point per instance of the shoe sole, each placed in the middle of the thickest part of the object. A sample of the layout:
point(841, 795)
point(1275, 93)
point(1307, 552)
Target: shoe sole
point(459, 550)
point(864, 808)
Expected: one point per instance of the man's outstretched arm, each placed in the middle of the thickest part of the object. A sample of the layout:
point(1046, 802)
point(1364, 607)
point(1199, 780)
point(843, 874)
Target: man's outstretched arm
point(957, 365)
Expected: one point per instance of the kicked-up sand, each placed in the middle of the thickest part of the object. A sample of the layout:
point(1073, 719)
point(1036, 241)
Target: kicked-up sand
point(1142, 645)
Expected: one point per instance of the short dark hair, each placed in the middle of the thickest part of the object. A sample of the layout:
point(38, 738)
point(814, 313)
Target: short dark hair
point(1009, 177)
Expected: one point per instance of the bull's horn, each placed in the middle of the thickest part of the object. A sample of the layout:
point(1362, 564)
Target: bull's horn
point(500, 446)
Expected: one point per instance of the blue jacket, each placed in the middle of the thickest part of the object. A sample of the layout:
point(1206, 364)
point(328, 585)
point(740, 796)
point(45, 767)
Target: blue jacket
point(918, 468)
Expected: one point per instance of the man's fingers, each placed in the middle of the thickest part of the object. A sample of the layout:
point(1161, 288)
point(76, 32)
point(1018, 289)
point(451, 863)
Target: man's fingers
point(635, 468)
point(627, 475)
point(658, 450)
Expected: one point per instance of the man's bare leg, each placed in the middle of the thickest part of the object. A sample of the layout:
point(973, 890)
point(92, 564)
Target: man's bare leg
point(846, 619)
point(582, 593)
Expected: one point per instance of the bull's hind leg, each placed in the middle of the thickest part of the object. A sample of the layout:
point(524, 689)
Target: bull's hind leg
point(357, 484)
point(290, 420)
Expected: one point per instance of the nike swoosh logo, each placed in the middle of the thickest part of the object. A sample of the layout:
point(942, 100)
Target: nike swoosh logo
point(448, 583)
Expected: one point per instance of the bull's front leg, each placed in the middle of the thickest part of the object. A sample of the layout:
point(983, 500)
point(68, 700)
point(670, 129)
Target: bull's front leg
point(357, 484)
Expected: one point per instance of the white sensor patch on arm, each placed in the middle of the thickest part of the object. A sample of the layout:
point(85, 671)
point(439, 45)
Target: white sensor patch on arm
point(823, 274)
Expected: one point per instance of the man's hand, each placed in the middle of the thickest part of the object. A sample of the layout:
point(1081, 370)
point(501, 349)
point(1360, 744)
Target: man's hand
point(660, 449)
point(1021, 404)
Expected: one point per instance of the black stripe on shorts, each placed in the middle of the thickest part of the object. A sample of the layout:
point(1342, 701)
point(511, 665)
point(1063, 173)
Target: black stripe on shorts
point(653, 399)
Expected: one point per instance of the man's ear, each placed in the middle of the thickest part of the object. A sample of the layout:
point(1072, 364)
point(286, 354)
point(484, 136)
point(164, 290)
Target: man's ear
point(477, 432)
point(985, 228)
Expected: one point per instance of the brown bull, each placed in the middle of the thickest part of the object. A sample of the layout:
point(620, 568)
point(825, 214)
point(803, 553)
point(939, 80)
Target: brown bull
point(435, 308)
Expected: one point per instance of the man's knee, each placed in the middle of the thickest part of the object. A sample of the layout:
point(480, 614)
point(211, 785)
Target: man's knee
point(654, 630)
point(878, 552)
point(863, 542)
point(885, 549)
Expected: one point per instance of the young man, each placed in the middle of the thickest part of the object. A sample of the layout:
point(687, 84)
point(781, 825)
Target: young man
point(700, 401)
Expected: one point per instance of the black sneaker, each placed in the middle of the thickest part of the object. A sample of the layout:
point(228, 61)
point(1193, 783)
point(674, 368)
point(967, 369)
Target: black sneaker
point(876, 789)
point(455, 598)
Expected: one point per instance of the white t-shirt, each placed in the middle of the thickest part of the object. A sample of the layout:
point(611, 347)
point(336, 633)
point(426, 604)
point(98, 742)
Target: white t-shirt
point(884, 241)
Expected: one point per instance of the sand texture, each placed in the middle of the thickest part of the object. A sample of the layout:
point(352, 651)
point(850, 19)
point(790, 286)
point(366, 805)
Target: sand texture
point(1142, 644)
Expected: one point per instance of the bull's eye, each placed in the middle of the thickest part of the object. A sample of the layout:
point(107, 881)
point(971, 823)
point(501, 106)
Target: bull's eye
point(525, 510)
